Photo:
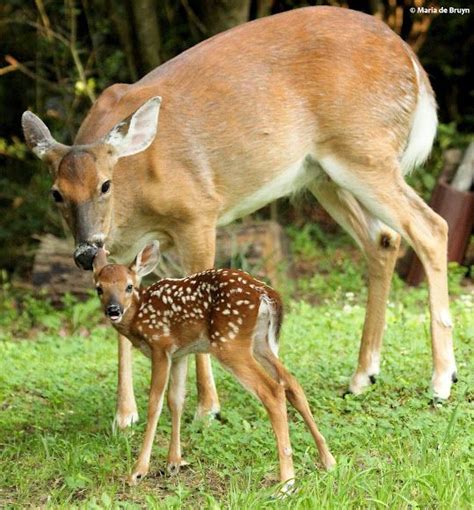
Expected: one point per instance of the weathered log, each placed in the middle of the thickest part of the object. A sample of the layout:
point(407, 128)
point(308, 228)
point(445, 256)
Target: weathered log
point(456, 207)
point(464, 178)
point(55, 271)
point(257, 247)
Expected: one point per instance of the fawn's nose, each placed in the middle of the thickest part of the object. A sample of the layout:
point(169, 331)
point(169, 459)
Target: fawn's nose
point(113, 311)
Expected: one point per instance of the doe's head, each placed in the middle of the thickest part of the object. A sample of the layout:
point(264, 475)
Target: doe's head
point(117, 285)
point(83, 180)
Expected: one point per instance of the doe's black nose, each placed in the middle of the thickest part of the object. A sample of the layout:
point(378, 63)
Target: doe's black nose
point(84, 255)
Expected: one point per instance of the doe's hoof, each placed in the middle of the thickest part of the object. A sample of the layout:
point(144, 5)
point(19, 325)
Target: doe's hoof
point(437, 402)
point(454, 377)
point(214, 413)
point(286, 490)
point(124, 420)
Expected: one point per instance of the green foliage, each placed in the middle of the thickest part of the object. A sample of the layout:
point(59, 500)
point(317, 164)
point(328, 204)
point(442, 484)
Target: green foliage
point(57, 398)
point(15, 149)
point(26, 211)
point(28, 314)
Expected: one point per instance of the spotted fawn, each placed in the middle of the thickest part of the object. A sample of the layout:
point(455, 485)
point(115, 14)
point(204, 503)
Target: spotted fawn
point(224, 312)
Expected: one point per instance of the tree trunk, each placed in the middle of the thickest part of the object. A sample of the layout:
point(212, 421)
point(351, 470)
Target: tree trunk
point(120, 16)
point(220, 15)
point(147, 31)
point(367, 6)
point(263, 8)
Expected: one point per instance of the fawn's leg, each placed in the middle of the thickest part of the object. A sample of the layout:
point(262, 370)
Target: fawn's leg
point(160, 369)
point(272, 395)
point(379, 244)
point(381, 189)
point(176, 395)
point(295, 394)
point(126, 413)
point(196, 247)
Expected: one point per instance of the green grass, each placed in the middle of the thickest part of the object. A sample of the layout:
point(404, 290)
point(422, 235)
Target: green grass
point(57, 400)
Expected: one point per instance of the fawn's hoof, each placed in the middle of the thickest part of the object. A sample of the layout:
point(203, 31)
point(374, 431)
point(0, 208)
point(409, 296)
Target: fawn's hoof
point(173, 468)
point(329, 462)
point(137, 475)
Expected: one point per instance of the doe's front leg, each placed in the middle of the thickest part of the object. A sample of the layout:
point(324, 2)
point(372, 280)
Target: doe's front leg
point(127, 412)
point(196, 243)
point(160, 370)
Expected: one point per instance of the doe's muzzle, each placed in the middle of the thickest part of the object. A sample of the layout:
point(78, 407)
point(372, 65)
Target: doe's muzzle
point(84, 255)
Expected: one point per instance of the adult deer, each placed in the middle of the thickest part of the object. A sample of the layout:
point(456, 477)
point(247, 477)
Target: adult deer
point(321, 98)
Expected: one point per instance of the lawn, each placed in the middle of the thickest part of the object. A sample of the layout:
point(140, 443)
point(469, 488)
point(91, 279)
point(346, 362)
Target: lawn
point(394, 450)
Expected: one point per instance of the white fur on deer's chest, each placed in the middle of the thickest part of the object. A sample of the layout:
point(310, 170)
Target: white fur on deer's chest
point(287, 181)
point(124, 251)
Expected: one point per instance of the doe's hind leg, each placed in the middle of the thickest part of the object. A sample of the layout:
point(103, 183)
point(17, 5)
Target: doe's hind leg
point(381, 189)
point(379, 244)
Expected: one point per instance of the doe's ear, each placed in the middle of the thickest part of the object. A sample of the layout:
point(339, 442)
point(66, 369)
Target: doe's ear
point(37, 135)
point(147, 259)
point(136, 133)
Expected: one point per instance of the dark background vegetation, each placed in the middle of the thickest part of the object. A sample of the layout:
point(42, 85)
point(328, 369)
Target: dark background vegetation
point(57, 56)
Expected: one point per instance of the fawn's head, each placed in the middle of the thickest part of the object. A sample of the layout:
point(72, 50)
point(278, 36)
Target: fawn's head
point(117, 285)
point(83, 181)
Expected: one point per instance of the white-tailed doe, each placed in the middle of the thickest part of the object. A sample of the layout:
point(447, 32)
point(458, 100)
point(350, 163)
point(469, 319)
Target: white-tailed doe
point(223, 312)
point(321, 98)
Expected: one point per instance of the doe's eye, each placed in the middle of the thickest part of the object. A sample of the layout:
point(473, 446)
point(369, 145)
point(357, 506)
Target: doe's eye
point(129, 288)
point(105, 187)
point(99, 291)
point(57, 197)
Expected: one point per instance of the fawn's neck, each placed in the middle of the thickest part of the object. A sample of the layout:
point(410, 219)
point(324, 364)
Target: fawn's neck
point(125, 326)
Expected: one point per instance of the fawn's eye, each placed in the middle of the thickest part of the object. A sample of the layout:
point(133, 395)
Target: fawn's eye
point(99, 291)
point(129, 288)
point(105, 187)
point(57, 197)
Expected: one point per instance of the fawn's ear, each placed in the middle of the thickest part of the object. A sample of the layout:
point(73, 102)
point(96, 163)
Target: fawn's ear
point(100, 261)
point(147, 259)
